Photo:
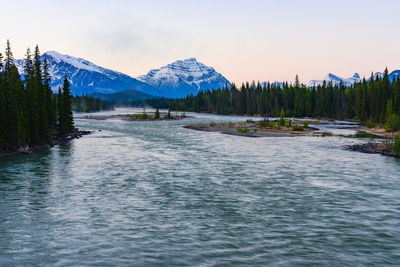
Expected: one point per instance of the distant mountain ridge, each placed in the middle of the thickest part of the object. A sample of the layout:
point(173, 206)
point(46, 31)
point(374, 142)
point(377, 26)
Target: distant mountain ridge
point(183, 77)
point(124, 97)
point(86, 77)
point(349, 81)
point(335, 80)
point(177, 79)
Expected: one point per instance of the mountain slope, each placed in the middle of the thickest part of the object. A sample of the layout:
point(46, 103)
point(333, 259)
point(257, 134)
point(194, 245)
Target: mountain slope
point(86, 77)
point(183, 77)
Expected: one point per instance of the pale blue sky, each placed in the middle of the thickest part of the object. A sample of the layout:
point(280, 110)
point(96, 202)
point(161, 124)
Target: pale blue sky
point(244, 40)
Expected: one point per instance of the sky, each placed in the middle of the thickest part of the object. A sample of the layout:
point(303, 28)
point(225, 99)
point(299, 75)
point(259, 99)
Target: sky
point(245, 40)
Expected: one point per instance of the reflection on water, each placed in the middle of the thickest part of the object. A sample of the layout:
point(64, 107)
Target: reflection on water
point(154, 193)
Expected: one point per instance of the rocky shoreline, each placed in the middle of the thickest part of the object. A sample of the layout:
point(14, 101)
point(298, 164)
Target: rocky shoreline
point(26, 149)
point(383, 148)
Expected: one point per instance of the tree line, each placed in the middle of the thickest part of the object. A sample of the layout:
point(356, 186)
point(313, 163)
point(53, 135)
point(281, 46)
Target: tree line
point(370, 99)
point(30, 114)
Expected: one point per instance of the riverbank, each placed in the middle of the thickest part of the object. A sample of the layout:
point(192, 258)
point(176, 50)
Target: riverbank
point(26, 149)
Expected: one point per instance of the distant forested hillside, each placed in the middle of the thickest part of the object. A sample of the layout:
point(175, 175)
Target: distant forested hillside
point(123, 98)
point(89, 104)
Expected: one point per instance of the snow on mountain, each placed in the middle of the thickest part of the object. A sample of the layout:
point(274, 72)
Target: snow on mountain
point(183, 77)
point(84, 76)
point(350, 81)
point(335, 80)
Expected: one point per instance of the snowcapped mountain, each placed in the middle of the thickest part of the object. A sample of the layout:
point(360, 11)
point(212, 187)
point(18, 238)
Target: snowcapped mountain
point(350, 81)
point(183, 77)
point(335, 80)
point(393, 74)
point(86, 77)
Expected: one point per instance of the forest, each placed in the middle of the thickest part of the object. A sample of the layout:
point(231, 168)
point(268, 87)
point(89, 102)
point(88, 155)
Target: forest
point(374, 100)
point(30, 113)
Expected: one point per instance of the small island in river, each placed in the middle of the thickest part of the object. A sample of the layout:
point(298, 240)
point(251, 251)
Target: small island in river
point(154, 116)
point(265, 128)
point(383, 143)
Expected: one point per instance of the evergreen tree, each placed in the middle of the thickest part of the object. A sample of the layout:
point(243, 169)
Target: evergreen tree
point(41, 95)
point(50, 110)
point(66, 119)
point(3, 119)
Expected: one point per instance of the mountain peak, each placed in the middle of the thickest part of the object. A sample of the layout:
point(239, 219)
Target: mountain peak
point(331, 76)
point(183, 77)
point(191, 59)
point(54, 54)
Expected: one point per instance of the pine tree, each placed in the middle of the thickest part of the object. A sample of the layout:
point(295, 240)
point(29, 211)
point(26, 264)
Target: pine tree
point(9, 61)
point(32, 99)
point(41, 94)
point(66, 120)
point(296, 81)
point(3, 119)
point(51, 114)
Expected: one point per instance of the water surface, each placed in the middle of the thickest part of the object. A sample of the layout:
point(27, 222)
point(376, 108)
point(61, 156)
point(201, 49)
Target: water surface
point(154, 193)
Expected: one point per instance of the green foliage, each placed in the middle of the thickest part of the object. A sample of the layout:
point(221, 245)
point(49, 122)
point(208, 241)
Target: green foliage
point(393, 123)
point(281, 121)
point(288, 123)
point(231, 124)
point(362, 134)
point(243, 130)
point(143, 116)
point(212, 124)
point(370, 123)
point(305, 125)
point(396, 146)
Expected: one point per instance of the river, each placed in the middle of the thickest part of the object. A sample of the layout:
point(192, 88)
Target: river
point(157, 194)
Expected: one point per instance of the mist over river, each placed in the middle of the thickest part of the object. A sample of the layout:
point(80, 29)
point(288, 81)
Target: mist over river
point(153, 193)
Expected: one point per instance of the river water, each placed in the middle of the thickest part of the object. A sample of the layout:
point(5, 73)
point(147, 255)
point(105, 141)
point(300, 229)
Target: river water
point(157, 194)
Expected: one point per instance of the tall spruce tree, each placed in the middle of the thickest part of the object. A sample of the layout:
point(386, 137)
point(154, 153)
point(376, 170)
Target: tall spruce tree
point(3, 119)
point(51, 113)
point(66, 120)
point(41, 93)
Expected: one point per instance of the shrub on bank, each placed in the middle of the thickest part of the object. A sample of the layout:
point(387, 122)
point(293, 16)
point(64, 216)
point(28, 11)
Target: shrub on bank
point(370, 124)
point(393, 123)
point(242, 130)
point(396, 146)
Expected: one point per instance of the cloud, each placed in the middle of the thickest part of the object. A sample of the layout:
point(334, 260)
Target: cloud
point(120, 33)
